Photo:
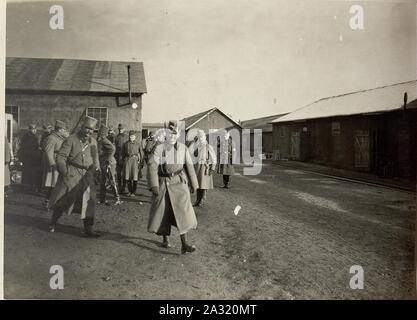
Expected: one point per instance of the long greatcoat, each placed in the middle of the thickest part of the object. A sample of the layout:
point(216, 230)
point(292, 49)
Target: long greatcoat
point(132, 157)
point(119, 142)
point(172, 206)
point(7, 160)
point(30, 155)
point(227, 153)
point(75, 190)
point(51, 146)
point(206, 161)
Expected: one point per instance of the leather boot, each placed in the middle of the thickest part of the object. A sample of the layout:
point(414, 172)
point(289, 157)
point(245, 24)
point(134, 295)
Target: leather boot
point(88, 229)
point(185, 247)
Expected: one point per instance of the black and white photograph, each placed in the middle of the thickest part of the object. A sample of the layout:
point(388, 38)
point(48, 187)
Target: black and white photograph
point(209, 150)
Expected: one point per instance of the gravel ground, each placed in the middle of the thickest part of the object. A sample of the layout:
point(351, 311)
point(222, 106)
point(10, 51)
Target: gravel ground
point(296, 237)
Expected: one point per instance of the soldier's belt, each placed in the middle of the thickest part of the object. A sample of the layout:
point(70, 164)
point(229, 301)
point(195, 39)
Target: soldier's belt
point(79, 166)
point(169, 175)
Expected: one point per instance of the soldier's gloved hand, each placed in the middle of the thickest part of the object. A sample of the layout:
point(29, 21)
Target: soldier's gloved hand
point(92, 167)
point(192, 190)
point(155, 190)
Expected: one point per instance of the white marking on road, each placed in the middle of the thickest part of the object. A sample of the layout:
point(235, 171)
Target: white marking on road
point(257, 181)
point(293, 171)
point(237, 209)
point(319, 201)
point(328, 204)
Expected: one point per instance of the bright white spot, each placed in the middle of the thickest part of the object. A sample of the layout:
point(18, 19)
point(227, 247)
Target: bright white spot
point(293, 172)
point(319, 201)
point(335, 17)
point(237, 209)
point(257, 181)
point(340, 38)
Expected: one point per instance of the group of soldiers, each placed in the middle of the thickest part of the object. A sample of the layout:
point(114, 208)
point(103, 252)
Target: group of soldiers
point(74, 165)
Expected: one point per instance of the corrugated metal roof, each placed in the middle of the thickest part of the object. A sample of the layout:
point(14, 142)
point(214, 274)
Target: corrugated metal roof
point(191, 120)
point(264, 123)
point(381, 99)
point(74, 75)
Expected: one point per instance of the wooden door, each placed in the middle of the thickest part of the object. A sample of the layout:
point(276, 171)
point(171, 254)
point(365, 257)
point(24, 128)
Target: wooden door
point(362, 149)
point(295, 145)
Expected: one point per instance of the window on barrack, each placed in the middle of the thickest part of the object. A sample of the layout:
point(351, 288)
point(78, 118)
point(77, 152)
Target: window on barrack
point(99, 113)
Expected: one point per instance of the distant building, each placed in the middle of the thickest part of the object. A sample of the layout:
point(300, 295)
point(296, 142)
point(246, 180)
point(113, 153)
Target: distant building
point(213, 119)
point(42, 90)
point(370, 131)
point(265, 124)
point(148, 127)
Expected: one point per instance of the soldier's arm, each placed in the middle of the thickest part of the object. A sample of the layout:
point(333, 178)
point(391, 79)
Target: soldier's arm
point(189, 168)
point(152, 173)
point(141, 153)
point(62, 157)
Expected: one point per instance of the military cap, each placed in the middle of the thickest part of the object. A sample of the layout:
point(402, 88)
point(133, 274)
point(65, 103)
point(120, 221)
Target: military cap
point(103, 131)
point(172, 125)
point(60, 124)
point(89, 122)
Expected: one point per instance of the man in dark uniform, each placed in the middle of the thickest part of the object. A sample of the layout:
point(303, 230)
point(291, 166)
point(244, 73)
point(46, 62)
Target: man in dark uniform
point(120, 140)
point(227, 154)
point(106, 151)
point(30, 154)
point(112, 135)
point(132, 163)
point(77, 163)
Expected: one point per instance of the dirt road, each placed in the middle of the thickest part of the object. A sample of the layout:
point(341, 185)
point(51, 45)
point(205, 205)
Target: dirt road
point(296, 237)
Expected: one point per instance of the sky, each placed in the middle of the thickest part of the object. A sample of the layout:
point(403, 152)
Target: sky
point(248, 58)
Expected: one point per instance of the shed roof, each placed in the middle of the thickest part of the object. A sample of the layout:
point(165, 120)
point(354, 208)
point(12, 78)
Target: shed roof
point(264, 123)
point(194, 119)
point(376, 100)
point(74, 75)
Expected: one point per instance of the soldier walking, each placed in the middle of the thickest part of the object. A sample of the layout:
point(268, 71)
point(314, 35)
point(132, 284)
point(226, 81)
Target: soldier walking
point(106, 152)
point(132, 159)
point(171, 173)
point(206, 164)
point(51, 146)
point(227, 154)
point(120, 140)
point(77, 163)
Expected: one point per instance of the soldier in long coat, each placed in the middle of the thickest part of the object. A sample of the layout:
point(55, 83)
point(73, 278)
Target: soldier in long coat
point(8, 160)
point(51, 146)
point(171, 173)
point(47, 130)
point(132, 162)
point(227, 152)
point(77, 163)
point(205, 166)
point(30, 155)
point(106, 151)
point(120, 140)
